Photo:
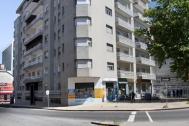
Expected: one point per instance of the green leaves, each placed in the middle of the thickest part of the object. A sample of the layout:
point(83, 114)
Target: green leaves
point(170, 31)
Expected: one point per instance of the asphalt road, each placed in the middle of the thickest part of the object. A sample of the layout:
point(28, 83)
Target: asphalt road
point(41, 117)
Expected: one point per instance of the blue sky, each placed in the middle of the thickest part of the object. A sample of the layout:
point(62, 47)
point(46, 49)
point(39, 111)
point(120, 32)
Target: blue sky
point(8, 16)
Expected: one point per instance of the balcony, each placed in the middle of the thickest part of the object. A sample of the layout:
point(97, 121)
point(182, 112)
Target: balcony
point(124, 41)
point(126, 74)
point(124, 57)
point(147, 1)
point(34, 50)
point(34, 24)
point(33, 79)
point(120, 8)
point(139, 17)
point(83, 10)
point(122, 24)
point(140, 5)
point(35, 11)
point(30, 4)
point(145, 61)
point(33, 64)
point(83, 31)
point(33, 37)
point(141, 45)
point(55, 93)
point(148, 76)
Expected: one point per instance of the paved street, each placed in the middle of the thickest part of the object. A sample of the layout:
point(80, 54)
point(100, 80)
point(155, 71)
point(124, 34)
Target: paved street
point(42, 117)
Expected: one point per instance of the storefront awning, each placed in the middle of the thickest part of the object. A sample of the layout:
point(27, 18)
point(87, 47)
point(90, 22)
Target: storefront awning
point(122, 80)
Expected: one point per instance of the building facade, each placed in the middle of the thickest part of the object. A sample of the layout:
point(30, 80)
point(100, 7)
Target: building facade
point(173, 83)
point(7, 57)
point(82, 51)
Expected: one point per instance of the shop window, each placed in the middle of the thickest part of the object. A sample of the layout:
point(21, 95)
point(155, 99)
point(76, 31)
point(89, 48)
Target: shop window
point(84, 90)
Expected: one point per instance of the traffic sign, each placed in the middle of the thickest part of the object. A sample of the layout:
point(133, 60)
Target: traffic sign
point(47, 92)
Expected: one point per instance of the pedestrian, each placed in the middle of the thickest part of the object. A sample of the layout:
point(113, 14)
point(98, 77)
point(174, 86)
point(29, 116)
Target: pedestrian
point(177, 93)
point(173, 93)
point(180, 92)
point(132, 97)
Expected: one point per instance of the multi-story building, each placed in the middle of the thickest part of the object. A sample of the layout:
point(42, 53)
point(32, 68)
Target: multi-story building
point(7, 57)
point(80, 50)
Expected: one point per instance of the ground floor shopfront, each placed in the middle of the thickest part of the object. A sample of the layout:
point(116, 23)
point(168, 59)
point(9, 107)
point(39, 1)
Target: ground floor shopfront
point(161, 89)
point(91, 90)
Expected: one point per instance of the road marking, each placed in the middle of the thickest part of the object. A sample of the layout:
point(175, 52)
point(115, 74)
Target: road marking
point(149, 116)
point(132, 117)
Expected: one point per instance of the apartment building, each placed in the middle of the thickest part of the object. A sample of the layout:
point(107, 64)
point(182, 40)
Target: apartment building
point(7, 57)
point(82, 51)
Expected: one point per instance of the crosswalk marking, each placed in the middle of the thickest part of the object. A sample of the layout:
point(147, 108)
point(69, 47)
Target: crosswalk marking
point(131, 118)
point(149, 116)
point(134, 113)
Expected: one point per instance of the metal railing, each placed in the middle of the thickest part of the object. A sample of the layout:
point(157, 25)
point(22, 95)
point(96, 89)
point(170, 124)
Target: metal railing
point(33, 35)
point(141, 4)
point(33, 49)
point(55, 92)
point(125, 40)
point(124, 56)
point(124, 23)
point(126, 73)
point(140, 16)
point(33, 22)
point(146, 75)
point(33, 63)
point(39, 77)
point(141, 44)
point(124, 8)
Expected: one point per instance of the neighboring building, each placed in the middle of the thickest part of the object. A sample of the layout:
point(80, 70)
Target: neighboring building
point(7, 57)
point(80, 50)
point(6, 85)
point(173, 82)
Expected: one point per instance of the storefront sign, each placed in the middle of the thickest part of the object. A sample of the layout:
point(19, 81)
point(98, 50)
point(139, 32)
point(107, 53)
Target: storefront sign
point(98, 92)
point(71, 96)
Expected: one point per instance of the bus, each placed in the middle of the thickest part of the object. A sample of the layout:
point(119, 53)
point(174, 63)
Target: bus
point(6, 92)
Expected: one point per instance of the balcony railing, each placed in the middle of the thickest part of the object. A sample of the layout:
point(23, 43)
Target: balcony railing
point(33, 63)
point(40, 46)
point(31, 11)
point(146, 75)
point(124, 24)
point(126, 74)
point(137, 14)
point(145, 61)
point(141, 45)
point(123, 8)
point(125, 57)
point(33, 79)
point(33, 36)
point(140, 3)
point(124, 40)
point(55, 92)
point(34, 21)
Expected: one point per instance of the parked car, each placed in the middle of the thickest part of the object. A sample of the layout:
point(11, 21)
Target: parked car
point(142, 95)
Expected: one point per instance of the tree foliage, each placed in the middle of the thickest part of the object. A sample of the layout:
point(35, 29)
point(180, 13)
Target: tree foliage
point(168, 35)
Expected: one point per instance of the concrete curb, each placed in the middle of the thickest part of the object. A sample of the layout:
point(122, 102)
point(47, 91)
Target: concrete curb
point(104, 124)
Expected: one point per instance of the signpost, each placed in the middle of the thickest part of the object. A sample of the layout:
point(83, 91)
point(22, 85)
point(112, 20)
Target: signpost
point(166, 80)
point(47, 93)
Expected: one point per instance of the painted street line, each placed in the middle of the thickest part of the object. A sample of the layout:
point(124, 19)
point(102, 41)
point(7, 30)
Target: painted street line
point(132, 117)
point(149, 116)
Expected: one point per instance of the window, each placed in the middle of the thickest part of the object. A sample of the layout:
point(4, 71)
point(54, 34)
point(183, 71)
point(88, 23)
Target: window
point(83, 2)
point(62, 10)
point(118, 49)
point(62, 28)
point(59, 17)
point(46, 54)
point(54, 52)
point(46, 38)
point(136, 40)
point(62, 66)
point(84, 64)
point(84, 90)
point(46, 8)
point(38, 73)
point(110, 66)
point(109, 47)
point(143, 70)
point(109, 29)
point(22, 76)
point(83, 42)
point(46, 23)
point(33, 74)
point(55, 36)
point(46, 71)
point(54, 3)
point(59, 34)
point(59, 86)
point(108, 11)
point(62, 47)
point(59, 51)
point(58, 68)
point(83, 21)
point(58, 1)
point(126, 51)
point(23, 40)
point(54, 69)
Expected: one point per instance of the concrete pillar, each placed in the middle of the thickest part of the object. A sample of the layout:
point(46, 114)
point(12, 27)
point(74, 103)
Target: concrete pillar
point(134, 86)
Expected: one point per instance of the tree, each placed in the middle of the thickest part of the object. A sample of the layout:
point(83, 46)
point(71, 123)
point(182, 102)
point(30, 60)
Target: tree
point(168, 35)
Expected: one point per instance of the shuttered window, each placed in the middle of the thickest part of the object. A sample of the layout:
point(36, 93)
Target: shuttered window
point(83, 1)
point(109, 47)
point(109, 29)
point(83, 42)
point(84, 63)
point(82, 21)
